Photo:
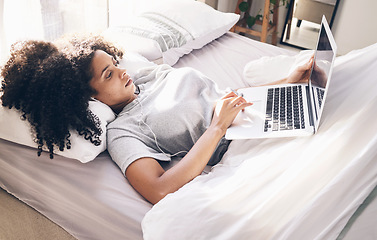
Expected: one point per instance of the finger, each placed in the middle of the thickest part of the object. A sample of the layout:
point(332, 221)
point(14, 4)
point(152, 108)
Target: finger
point(229, 100)
point(238, 100)
point(242, 106)
point(306, 66)
point(233, 100)
point(310, 63)
point(229, 94)
point(241, 103)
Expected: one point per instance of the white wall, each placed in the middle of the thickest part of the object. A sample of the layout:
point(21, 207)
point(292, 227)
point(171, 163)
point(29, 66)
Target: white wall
point(19, 23)
point(212, 3)
point(354, 25)
point(29, 19)
point(84, 15)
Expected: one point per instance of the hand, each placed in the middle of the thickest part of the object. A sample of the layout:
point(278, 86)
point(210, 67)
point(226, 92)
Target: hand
point(301, 73)
point(226, 110)
point(319, 77)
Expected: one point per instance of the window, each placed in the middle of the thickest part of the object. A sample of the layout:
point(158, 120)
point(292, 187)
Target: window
point(48, 20)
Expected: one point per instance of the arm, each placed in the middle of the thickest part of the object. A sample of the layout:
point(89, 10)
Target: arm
point(153, 183)
point(300, 75)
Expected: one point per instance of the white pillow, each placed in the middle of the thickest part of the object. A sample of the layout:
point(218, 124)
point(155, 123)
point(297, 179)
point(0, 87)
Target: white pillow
point(168, 29)
point(13, 129)
point(133, 62)
point(269, 69)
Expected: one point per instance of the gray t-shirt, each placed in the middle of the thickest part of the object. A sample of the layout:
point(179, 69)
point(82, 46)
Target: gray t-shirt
point(172, 111)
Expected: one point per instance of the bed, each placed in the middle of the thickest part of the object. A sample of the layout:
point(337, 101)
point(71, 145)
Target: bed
point(317, 187)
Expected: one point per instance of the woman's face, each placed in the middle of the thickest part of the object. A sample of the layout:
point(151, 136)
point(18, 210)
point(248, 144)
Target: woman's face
point(113, 85)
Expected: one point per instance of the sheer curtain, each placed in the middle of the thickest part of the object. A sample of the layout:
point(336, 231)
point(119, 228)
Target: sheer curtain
point(48, 20)
point(20, 19)
point(2, 42)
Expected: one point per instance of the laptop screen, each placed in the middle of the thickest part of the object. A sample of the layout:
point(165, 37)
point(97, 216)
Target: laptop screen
point(321, 71)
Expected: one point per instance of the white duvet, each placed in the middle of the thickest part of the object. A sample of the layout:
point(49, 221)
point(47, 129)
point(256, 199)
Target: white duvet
point(295, 188)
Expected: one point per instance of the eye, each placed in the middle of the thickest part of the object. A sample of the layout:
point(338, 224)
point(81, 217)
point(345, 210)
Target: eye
point(109, 74)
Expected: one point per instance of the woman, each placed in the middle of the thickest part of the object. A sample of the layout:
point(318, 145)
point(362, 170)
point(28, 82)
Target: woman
point(49, 85)
point(143, 133)
point(52, 84)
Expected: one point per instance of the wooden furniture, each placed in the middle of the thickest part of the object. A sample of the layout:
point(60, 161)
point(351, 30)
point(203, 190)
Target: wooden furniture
point(267, 26)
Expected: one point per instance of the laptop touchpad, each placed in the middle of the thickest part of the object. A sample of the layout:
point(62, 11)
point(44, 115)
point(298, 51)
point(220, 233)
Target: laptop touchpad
point(251, 114)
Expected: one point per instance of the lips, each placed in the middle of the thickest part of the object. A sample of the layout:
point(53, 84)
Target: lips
point(129, 82)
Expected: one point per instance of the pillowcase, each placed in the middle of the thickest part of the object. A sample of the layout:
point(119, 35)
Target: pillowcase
point(269, 69)
point(133, 62)
point(13, 129)
point(168, 29)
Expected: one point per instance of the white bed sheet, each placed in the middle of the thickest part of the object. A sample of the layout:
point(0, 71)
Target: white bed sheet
point(363, 222)
point(94, 200)
point(90, 201)
point(298, 188)
point(224, 60)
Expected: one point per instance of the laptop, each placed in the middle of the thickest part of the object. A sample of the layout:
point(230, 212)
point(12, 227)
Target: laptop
point(288, 110)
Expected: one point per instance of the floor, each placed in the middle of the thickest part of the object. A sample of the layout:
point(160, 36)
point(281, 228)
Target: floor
point(305, 36)
point(19, 221)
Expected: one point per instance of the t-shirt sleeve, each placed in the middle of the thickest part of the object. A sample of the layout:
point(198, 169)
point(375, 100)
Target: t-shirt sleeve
point(124, 150)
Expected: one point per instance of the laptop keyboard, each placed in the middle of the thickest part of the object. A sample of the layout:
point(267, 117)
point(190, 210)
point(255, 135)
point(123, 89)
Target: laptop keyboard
point(320, 93)
point(284, 109)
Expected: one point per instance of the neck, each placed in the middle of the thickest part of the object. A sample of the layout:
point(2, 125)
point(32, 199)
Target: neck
point(117, 108)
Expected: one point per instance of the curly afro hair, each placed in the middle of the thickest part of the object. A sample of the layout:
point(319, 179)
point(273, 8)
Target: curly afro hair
point(79, 49)
point(49, 84)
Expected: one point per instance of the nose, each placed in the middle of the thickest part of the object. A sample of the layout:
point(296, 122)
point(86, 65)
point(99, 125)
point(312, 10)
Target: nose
point(123, 73)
